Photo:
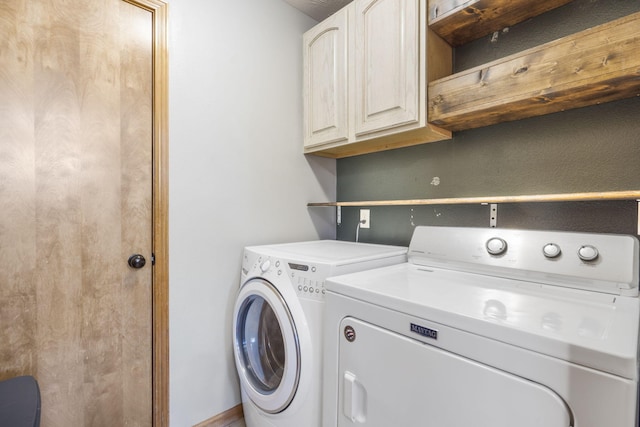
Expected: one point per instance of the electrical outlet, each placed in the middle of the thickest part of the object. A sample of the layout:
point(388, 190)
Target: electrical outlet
point(365, 219)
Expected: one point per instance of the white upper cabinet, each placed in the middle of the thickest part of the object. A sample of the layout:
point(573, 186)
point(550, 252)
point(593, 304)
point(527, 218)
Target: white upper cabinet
point(387, 66)
point(325, 81)
point(366, 71)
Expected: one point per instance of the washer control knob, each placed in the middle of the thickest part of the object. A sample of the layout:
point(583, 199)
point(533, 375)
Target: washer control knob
point(588, 253)
point(496, 246)
point(265, 266)
point(551, 250)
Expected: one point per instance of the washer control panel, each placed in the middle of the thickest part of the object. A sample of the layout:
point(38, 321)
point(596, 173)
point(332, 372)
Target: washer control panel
point(307, 280)
point(309, 287)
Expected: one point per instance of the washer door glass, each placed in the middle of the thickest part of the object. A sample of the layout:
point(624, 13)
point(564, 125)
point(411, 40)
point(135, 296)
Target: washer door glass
point(266, 348)
point(262, 344)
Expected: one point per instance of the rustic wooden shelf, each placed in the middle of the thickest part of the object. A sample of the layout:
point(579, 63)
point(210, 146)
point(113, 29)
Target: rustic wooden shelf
point(597, 65)
point(529, 198)
point(459, 22)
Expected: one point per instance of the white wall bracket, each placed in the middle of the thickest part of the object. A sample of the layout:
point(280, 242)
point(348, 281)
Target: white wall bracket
point(638, 216)
point(493, 215)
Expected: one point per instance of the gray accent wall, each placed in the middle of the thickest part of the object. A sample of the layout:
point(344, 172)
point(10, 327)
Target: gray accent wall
point(588, 149)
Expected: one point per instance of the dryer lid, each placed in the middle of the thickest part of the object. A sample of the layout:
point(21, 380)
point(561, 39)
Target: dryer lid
point(588, 328)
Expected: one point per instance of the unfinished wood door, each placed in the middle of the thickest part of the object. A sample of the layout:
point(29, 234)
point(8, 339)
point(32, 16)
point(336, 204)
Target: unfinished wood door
point(76, 201)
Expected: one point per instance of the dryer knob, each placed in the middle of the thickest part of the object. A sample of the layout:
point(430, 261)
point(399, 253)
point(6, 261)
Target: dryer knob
point(551, 250)
point(587, 253)
point(496, 246)
point(265, 266)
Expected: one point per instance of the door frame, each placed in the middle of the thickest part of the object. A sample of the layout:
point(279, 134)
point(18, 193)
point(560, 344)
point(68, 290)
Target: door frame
point(160, 219)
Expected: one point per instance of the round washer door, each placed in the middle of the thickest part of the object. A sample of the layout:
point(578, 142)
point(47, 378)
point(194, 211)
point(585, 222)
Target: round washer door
point(266, 348)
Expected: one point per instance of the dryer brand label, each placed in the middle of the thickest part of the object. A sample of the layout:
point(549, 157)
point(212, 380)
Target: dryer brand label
point(350, 333)
point(425, 332)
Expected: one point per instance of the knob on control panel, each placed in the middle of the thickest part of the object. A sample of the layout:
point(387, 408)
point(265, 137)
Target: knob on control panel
point(588, 253)
point(496, 246)
point(551, 250)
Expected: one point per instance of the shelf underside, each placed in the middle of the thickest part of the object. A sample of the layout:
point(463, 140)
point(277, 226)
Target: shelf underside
point(459, 22)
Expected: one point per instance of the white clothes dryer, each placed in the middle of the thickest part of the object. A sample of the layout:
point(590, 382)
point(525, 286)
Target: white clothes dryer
point(487, 328)
point(278, 320)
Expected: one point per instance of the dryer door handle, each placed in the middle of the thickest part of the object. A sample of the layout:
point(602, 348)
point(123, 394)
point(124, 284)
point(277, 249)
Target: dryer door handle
point(355, 399)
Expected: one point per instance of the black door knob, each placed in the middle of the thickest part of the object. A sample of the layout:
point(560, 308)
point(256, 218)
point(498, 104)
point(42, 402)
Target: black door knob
point(137, 261)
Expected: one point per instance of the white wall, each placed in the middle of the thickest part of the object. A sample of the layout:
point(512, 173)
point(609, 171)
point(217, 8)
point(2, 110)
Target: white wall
point(237, 177)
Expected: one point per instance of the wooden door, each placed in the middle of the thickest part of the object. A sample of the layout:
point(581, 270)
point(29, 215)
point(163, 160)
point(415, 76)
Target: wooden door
point(325, 81)
point(387, 78)
point(76, 137)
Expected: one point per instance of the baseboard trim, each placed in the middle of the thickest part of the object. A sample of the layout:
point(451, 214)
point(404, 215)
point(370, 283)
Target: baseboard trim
point(224, 419)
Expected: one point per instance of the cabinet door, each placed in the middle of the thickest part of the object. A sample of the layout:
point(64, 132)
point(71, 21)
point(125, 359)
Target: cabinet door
point(387, 76)
point(325, 81)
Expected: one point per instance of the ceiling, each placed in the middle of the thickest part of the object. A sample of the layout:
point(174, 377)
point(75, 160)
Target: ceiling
point(318, 9)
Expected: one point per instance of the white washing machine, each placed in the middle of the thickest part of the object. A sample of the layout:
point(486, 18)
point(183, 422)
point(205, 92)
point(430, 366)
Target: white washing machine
point(487, 328)
point(277, 324)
